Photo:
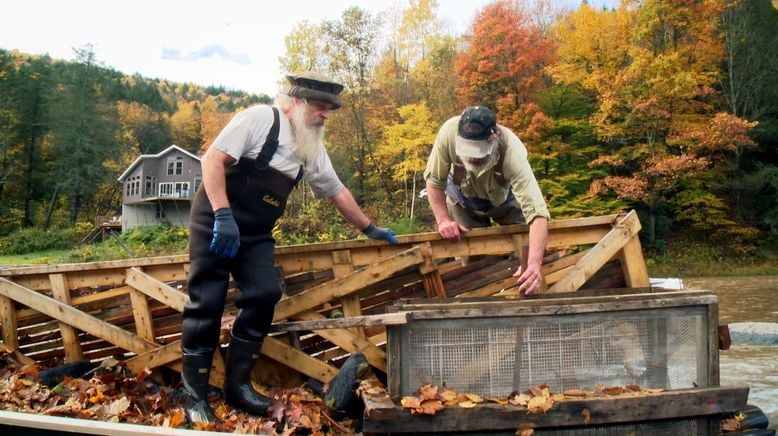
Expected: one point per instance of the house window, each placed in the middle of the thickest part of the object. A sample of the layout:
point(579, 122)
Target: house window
point(175, 166)
point(182, 189)
point(198, 181)
point(166, 189)
point(148, 187)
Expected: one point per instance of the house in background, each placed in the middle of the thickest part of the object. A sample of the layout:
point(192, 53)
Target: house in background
point(159, 188)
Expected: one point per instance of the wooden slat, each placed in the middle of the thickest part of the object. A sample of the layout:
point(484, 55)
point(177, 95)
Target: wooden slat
point(599, 254)
point(70, 342)
point(8, 322)
point(144, 325)
point(296, 359)
point(382, 417)
point(634, 265)
point(350, 342)
point(321, 294)
point(326, 323)
point(31, 423)
point(342, 267)
point(156, 289)
point(72, 316)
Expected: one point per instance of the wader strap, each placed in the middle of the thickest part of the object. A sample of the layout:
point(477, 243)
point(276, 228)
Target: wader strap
point(271, 144)
point(498, 176)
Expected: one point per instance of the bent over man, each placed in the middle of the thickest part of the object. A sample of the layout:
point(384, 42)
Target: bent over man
point(477, 173)
point(248, 173)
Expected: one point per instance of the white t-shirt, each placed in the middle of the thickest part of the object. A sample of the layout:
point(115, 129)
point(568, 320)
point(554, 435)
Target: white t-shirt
point(245, 134)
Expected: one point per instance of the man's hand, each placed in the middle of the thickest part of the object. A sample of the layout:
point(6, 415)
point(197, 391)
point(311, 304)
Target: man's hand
point(374, 232)
point(451, 230)
point(226, 237)
point(529, 280)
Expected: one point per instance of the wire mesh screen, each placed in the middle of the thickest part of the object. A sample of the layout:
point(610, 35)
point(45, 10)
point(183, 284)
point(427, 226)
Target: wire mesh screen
point(496, 356)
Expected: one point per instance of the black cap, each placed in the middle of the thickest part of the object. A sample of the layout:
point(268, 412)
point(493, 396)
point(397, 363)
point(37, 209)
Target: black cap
point(314, 86)
point(474, 136)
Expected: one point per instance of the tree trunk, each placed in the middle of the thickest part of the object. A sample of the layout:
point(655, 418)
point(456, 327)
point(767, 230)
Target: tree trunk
point(47, 223)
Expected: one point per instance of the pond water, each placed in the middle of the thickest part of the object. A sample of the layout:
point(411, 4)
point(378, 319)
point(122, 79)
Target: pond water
point(747, 299)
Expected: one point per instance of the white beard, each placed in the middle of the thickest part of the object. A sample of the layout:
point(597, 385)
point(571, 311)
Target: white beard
point(308, 139)
point(479, 168)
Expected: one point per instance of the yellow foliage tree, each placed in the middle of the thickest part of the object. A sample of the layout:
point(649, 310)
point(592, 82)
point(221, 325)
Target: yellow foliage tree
point(406, 146)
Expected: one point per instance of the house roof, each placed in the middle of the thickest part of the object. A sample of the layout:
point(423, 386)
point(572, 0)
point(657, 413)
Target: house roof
point(162, 153)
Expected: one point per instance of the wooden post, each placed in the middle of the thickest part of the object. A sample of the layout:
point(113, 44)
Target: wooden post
point(430, 274)
point(599, 255)
point(8, 322)
point(70, 342)
point(633, 264)
point(342, 267)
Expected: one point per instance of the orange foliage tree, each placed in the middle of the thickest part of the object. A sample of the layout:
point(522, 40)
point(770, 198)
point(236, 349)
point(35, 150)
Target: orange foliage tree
point(503, 67)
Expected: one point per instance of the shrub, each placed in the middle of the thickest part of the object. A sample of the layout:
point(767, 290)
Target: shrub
point(30, 240)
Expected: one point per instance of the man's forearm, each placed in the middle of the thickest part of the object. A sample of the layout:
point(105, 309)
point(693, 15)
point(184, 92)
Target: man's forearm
point(538, 238)
point(214, 179)
point(437, 198)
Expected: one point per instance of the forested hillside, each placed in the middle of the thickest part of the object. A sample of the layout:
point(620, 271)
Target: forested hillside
point(664, 106)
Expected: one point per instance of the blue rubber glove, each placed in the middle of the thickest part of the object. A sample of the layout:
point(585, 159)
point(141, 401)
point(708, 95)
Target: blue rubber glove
point(374, 232)
point(226, 237)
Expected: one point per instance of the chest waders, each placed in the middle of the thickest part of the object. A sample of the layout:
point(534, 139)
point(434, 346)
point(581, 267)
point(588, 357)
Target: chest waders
point(257, 194)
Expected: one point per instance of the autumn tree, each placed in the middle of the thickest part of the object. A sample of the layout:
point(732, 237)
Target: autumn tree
point(503, 66)
point(650, 65)
point(82, 128)
point(350, 56)
point(406, 146)
point(185, 125)
point(304, 47)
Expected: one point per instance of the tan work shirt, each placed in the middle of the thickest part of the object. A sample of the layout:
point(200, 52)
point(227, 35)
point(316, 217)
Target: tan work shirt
point(516, 170)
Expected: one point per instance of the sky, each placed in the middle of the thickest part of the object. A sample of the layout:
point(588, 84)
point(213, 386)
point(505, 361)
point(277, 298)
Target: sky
point(231, 43)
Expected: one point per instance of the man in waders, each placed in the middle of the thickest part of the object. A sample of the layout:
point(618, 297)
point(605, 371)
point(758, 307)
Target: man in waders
point(477, 173)
point(248, 173)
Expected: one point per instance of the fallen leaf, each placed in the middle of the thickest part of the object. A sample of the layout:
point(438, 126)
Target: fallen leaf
point(525, 432)
point(410, 402)
point(633, 388)
point(428, 392)
point(519, 400)
point(615, 390)
point(430, 407)
point(467, 404)
point(474, 398)
point(536, 404)
point(586, 415)
point(575, 393)
point(448, 396)
point(500, 401)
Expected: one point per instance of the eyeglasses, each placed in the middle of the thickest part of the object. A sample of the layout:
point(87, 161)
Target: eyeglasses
point(319, 106)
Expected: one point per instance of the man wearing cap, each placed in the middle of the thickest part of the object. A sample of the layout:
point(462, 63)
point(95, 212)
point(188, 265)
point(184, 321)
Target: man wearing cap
point(248, 173)
point(477, 173)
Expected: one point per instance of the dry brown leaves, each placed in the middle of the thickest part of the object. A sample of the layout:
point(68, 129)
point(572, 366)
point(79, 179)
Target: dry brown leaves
point(111, 395)
point(429, 399)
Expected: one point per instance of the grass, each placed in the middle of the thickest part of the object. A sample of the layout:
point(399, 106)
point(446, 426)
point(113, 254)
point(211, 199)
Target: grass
point(696, 259)
point(37, 258)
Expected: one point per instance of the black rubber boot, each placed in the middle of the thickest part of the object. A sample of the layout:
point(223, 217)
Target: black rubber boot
point(197, 369)
point(238, 391)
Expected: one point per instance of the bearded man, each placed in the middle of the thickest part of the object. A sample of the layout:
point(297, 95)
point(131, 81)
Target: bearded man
point(477, 173)
point(248, 173)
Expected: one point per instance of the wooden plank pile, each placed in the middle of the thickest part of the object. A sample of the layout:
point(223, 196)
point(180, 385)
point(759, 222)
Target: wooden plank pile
point(131, 309)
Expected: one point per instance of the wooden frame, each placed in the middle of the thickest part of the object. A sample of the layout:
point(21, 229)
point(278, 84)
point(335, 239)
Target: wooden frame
point(132, 308)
